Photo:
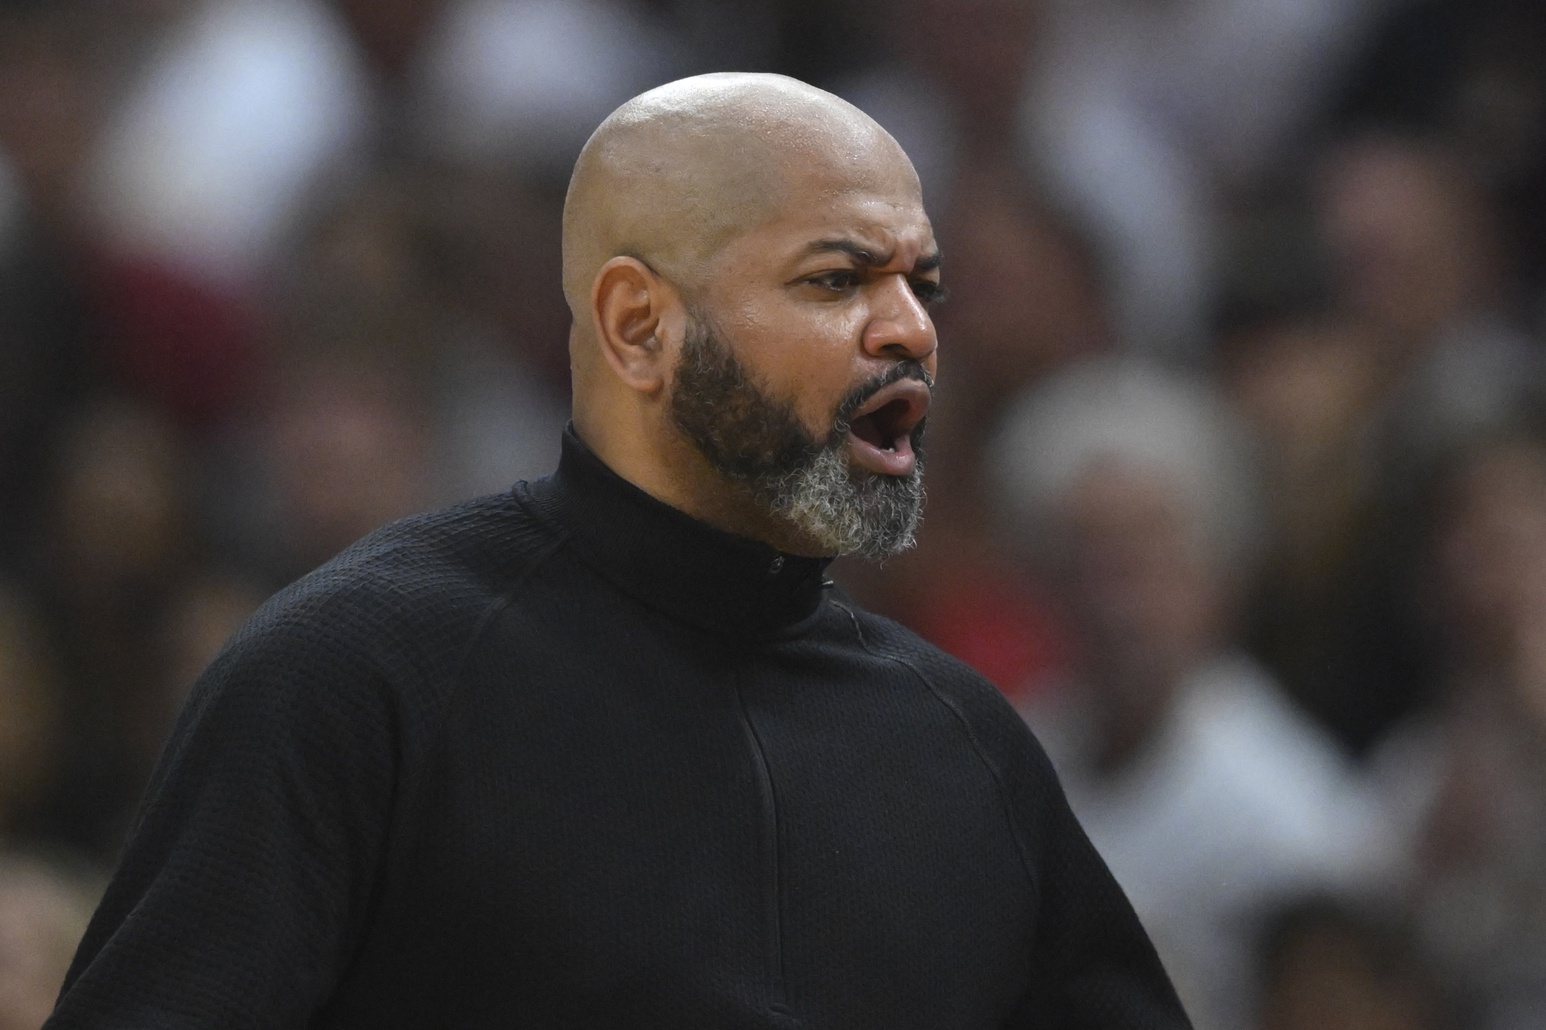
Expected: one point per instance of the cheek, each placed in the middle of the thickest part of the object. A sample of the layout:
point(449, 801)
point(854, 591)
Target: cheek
point(808, 361)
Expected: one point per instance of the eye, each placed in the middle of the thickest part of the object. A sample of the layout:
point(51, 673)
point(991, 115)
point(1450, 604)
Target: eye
point(836, 281)
point(929, 291)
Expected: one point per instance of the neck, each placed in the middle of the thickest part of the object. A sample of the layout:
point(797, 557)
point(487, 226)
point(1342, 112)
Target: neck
point(670, 561)
point(667, 466)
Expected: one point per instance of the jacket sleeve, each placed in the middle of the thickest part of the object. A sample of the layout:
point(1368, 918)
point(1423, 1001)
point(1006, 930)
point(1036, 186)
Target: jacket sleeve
point(1091, 966)
point(246, 882)
point(1094, 964)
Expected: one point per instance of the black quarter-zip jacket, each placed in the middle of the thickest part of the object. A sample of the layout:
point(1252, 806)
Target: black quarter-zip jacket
point(568, 757)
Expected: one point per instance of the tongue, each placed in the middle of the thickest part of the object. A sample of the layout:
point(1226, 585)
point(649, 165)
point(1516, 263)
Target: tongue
point(887, 457)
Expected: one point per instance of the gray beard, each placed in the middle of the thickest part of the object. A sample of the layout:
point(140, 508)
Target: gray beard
point(757, 441)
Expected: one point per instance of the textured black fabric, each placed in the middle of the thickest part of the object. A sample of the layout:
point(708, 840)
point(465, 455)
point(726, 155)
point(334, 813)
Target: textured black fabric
point(569, 758)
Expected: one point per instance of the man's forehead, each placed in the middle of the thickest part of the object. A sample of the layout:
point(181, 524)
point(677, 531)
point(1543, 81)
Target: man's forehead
point(679, 175)
point(870, 230)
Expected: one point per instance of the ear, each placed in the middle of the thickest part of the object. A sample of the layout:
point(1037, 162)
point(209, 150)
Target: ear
point(630, 305)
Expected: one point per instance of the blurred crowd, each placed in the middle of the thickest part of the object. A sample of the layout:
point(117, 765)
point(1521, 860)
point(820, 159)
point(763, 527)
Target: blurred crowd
point(1237, 472)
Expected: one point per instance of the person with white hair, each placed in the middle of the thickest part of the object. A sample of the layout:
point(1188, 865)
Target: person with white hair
point(44, 908)
point(1206, 792)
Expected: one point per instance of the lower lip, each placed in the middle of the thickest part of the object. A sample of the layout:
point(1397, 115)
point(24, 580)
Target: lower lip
point(867, 456)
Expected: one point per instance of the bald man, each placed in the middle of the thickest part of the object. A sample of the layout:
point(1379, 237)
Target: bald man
point(610, 750)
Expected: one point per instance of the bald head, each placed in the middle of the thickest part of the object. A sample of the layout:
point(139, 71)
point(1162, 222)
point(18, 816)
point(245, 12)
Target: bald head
point(763, 227)
point(677, 172)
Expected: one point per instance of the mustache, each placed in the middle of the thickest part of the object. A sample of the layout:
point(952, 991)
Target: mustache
point(856, 398)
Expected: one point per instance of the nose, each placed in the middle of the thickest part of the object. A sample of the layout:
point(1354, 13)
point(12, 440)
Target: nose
point(900, 327)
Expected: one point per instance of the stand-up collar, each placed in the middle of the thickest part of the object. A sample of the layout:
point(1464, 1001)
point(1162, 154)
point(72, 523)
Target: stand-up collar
point(670, 560)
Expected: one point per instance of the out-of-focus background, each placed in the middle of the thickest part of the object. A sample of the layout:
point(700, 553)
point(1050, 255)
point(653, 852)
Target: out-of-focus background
point(1237, 473)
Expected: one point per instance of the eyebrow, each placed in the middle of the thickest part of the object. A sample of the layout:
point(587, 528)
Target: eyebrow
point(865, 256)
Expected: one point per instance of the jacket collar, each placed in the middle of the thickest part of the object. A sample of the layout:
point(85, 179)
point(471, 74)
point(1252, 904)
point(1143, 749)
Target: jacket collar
point(671, 561)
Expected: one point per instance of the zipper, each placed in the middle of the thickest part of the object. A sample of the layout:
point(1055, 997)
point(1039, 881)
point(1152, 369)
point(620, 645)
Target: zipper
point(772, 895)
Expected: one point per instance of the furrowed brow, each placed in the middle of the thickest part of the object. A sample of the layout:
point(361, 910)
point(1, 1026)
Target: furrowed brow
point(861, 254)
point(868, 258)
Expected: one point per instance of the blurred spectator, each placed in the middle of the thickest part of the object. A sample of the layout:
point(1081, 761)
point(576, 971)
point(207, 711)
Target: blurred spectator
point(449, 280)
point(340, 449)
point(485, 250)
point(1229, 84)
point(1468, 780)
point(522, 80)
point(1154, 120)
point(1328, 614)
point(48, 107)
point(1423, 271)
point(30, 731)
point(207, 606)
point(43, 913)
point(719, 35)
point(1405, 346)
point(488, 244)
point(249, 101)
point(236, 107)
point(77, 318)
point(1150, 121)
point(1326, 962)
point(1027, 294)
point(119, 522)
point(1208, 795)
point(51, 101)
point(1473, 73)
point(118, 537)
point(949, 92)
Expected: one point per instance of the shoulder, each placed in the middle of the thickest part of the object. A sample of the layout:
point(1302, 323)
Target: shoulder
point(419, 581)
point(995, 727)
point(888, 639)
point(386, 622)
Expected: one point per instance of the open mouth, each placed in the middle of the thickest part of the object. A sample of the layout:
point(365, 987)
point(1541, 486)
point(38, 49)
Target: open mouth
point(880, 432)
